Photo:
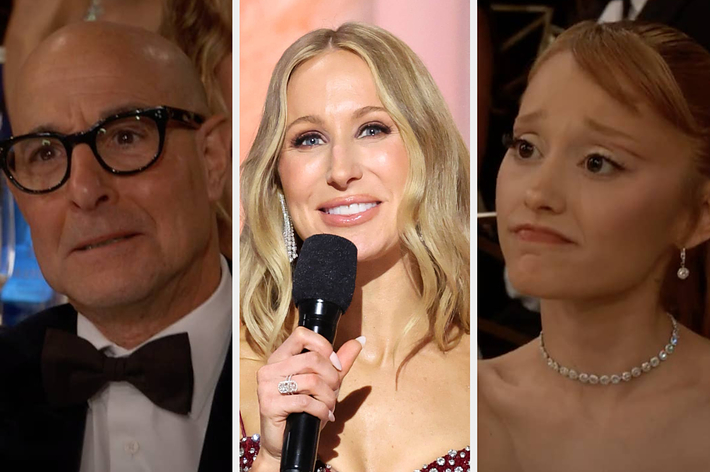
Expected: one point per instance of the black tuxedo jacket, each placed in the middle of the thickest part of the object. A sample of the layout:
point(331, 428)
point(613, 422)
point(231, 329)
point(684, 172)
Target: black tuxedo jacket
point(688, 16)
point(36, 436)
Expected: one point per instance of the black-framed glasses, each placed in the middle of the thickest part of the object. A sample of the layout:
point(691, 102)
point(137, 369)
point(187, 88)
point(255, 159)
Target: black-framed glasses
point(124, 144)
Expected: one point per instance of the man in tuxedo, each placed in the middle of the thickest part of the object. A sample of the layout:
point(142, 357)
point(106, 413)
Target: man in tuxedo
point(117, 167)
point(688, 16)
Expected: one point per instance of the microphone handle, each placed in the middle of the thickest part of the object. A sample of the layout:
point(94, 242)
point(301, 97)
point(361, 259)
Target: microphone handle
point(302, 430)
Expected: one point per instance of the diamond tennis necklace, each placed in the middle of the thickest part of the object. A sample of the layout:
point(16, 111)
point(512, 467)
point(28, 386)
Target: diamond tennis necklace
point(94, 11)
point(626, 376)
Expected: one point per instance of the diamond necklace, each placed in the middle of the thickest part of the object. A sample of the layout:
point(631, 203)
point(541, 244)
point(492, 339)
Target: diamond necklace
point(94, 11)
point(626, 376)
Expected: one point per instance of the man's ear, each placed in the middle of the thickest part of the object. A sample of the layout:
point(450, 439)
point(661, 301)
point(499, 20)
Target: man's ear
point(214, 141)
point(701, 231)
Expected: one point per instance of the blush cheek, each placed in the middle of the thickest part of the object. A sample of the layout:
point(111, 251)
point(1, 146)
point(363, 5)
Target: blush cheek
point(295, 175)
point(637, 231)
point(392, 157)
point(508, 198)
point(300, 180)
point(301, 225)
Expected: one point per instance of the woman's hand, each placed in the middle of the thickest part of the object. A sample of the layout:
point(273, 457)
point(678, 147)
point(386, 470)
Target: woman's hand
point(318, 374)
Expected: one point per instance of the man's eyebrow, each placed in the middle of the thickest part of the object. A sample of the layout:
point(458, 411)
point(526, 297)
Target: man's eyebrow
point(122, 109)
point(50, 128)
point(43, 129)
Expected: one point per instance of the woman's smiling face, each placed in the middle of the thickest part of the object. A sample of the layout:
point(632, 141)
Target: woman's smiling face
point(343, 166)
point(592, 196)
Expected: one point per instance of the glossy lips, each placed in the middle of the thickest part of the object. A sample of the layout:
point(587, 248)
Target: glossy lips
point(349, 210)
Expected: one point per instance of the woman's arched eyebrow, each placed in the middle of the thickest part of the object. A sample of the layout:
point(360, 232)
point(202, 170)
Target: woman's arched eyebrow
point(368, 109)
point(316, 120)
point(615, 133)
point(529, 117)
point(306, 119)
point(604, 129)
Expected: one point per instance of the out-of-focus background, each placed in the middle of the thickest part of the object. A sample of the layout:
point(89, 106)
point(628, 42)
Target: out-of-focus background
point(438, 31)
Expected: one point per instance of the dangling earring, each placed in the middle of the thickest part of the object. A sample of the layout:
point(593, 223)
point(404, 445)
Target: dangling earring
point(288, 233)
point(683, 272)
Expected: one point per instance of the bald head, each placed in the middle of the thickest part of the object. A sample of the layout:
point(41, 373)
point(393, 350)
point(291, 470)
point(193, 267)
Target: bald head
point(101, 51)
point(120, 245)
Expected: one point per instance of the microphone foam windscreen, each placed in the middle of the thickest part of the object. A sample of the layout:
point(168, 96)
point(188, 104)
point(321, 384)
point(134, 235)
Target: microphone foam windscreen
point(326, 269)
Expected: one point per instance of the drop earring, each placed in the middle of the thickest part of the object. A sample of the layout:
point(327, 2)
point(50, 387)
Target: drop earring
point(288, 233)
point(683, 272)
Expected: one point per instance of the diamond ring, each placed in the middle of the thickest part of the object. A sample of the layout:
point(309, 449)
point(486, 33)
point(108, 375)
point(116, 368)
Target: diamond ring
point(288, 386)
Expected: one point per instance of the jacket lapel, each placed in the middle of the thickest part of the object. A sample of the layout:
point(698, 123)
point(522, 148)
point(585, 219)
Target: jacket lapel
point(28, 424)
point(217, 448)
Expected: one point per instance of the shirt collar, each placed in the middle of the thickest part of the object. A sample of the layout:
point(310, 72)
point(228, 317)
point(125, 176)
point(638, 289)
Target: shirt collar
point(638, 5)
point(614, 10)
point(209, 338)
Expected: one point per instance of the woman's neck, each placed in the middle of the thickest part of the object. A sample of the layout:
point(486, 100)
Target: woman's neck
point(607, 336)
point(384, 303)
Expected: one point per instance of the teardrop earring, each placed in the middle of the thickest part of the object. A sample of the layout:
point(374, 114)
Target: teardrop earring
point(683, 272)
point(288, 232)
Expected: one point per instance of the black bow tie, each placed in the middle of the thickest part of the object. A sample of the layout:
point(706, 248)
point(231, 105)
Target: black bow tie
point(73, 370)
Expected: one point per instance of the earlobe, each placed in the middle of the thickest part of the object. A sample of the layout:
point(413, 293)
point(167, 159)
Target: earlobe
point(214, 141)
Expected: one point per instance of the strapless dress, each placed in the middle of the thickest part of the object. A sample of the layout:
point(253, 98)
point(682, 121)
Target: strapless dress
point(452, 461)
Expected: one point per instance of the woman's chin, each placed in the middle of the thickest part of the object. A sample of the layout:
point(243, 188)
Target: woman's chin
point(372, 252)
point(534, 286)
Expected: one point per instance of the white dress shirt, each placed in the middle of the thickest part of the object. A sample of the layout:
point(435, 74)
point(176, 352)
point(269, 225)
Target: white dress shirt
point(125, 431)
point(614, 11)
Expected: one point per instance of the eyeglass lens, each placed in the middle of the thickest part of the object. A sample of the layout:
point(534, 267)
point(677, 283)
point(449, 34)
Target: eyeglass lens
point(124, 144)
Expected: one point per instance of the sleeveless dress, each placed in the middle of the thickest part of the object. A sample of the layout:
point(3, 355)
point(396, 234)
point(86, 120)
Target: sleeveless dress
point(452, 461)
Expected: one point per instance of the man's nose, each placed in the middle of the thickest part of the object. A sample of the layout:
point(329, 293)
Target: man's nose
point(89, 184)
point(345, 165)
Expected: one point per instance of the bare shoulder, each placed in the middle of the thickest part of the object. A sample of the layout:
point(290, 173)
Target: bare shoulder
point(693, 353)
point(693, 359)
point(249, 363)
point(461, 353)
point(698, 343)
point(498, 394)
point(492, 389)
point(501, 376)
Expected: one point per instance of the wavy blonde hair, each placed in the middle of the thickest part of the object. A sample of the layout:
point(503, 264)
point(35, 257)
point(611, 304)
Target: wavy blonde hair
point(203, 30)
point(433, 216)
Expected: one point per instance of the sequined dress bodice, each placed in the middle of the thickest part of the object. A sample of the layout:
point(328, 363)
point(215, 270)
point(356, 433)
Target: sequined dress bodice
point(452, 461)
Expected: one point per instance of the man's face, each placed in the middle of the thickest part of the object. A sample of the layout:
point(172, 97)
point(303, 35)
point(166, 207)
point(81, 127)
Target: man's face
point(105, 240)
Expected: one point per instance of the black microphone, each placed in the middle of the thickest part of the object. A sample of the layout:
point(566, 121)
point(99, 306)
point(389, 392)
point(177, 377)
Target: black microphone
point(323, 286)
